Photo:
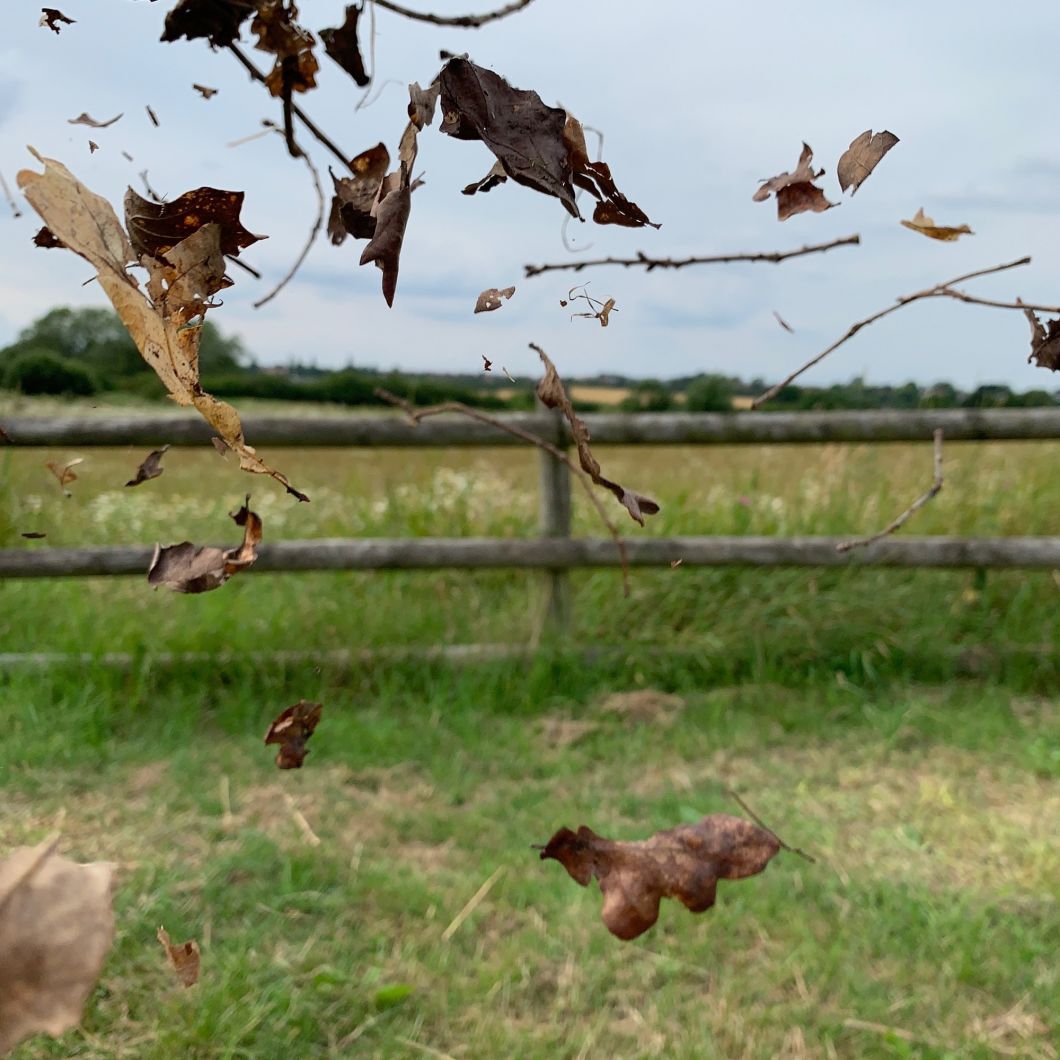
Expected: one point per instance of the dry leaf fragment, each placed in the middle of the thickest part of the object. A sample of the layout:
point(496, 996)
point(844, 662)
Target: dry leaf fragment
point(862, 156)
point(495, 176)
point(85, 119)
point(1045, 342)
point(391, 210)
point(188, 568)
point(683, 863)
point(206, 93)
point(291, 730)
point(926, 226)
point(490, 299)
point(64, 474)
point(154, 117)
point(218, 21)
point(150, 468)
point(93, 147)
point(783, 323)
point(351, 205)
point(52, 17)
point(184, 958)
point(56, 926)
point(341, 44)
point(33, 535)
point(46, 238)
point(796, 192)
point(157, 227)
point(220, 446)
point(487, 364)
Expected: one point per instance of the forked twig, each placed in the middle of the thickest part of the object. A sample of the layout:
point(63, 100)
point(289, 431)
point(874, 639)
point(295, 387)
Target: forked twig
point(642, 259)
point(458, 21)
point(761, 824)
point(899, 521)
point(940, 290)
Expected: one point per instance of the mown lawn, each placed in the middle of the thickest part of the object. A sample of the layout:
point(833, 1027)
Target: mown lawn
point(901, 726)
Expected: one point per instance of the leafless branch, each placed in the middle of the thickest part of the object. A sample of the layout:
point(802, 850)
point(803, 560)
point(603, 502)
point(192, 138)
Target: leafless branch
point(642, 259)
point(416, 414)
point(897, 523)
point(940, 290)
point(761, 824)
point(458, 21)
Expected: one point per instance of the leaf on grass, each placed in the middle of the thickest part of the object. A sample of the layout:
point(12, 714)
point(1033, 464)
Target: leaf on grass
point(188, 568)
point(291, 730)
point(796, 192)
point(184, 959)
point(5, 438)
point(150, 468)
point(926, 226)
point(391, 212)
point(52, 17)
point(164, 321)
point(206, 93)
point(422, 103)
point(220, 446)
point(93, 147)
point(683, 863)
point(157, 227)
point(490, 299)
point(56, 926)
point(46, 238)
point(495, 176)
point(341, 44)
point(553, 394)
point(64, 474)
point(218, 21)
point(1045, 342)
point(862, 156)
point(85, 119)
point(351, 205)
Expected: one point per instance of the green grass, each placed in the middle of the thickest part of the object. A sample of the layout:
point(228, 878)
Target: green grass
point(902, 726)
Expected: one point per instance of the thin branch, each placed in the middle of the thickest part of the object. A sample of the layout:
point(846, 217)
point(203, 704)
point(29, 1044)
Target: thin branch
point(761, 824)
point(473, 903)
point(642, 259)
point(897, 523)
point(938, 291)
point(7, 195)
point(231, 259)
point(458, 21)
point(416, 414)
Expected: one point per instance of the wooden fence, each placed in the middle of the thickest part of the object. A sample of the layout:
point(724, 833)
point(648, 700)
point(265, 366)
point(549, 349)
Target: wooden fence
point(555, 551)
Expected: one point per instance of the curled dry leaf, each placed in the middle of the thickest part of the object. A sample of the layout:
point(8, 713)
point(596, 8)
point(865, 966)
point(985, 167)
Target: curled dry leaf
point(163, 322)
point(487, 364)
point(46, 238)
point(1045, 342)
point(341, 45)
point(926, 226)
point(204, 91)
point(150, 468)
point(64, 474)
point(52, 17)
point(783, 323)
point(495, 176)
point(391, 212)
point(291, 730)
point(683, 863)
point(351, 205)
point(188, 568)
point(553, 394)
point(422, 103)
point(796, 192)
point(490, 299)
point(218, 21)
point(85, 119)
point(184, 959)
point(56, 926)
point(862, 156)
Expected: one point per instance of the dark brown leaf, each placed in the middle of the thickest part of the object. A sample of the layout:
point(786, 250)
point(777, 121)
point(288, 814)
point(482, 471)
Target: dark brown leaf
point(157, 227)
point(683, 863)
point(422, 103)
point(783, 323)
point(280, 35)
point(391, 210)
point(351, 205)
point(490, 299)
point(291, 730)
point(219, 21)
point(495, 176)
point(52, 17)
point(45, 238)
point(184, 959)
point(220, 445)
point(150, 468)
point(206, 93)
point(487, 364)
point(34, 535)
point(84, 119)
point(862, 156)
point(1045, 342)
point(154, 117)
point(341, 44)
point(796, 192)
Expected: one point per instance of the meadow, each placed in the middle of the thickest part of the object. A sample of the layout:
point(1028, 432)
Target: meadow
point(902, 726)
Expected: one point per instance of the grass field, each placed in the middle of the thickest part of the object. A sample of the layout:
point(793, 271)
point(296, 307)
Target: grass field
point(904, 727)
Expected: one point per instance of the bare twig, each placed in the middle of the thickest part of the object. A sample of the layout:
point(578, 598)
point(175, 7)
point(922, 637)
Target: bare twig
point(457, 21)
point(147, 187)
point(473, 903)
point(897, 523)
point(7, 195)
point(940, 290)
point(303, 825)
point(761, 824)
point(642, 259)
point(243, 265)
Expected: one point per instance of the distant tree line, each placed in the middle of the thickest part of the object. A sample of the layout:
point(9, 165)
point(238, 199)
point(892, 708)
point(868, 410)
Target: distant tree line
point(88, 351)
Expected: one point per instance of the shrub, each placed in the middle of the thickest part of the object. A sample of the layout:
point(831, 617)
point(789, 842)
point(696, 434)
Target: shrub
point(39, 371)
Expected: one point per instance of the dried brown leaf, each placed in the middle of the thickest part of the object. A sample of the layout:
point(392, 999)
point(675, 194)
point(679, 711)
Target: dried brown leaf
point(342, 45)
point(490, 299)
point(796, 192)
point(280, 35)
point(351, 205)
point(926, 226)
point(46, 238)
point(683, 863)
point(52, 17)
point(218, 21)
point(487, 364)
point(85, 119)
point(156, 227)
point(64, 474)
point(34, 535)
point(93, 147)
point(862, 156)
point(391, 211)
point(153, 116)
point(184, 959)
point(204, 91)
point(56, 926)
point(783, 323)
point(291, 729)
point(150, 468)
point(495, 176)
point(1045, 342)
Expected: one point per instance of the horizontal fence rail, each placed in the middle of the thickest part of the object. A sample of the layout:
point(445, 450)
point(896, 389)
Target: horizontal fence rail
point(563, 554)
point(667, 428)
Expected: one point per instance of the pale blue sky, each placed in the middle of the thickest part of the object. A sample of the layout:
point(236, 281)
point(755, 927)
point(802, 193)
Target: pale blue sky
point(697, 103)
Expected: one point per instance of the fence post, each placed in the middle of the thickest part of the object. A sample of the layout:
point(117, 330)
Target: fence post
point(555, 521)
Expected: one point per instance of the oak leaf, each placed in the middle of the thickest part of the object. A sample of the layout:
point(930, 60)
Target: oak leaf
point(151, 467)
point(52, 17)
point(795, 191)
point(56, 926)
point(1045, 342)
point(204, 91)
point(46, 238)
point(490, 299)
point(342, 45)
point(926, 226)
point(683, 863)
point(862, 156)
point(157, 227)
point(291, 729)
point(184, 959)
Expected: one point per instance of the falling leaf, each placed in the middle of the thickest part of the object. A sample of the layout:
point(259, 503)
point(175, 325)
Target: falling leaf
point(56, 926)
point(206, 93)
point(33, 535)
point(487, 364)
point(391, 212)
point(188, 568)
point(220, 446)
point(218, 22)
point(93, 147)
point(796, 192)
point(150, 468)
point(52, 17)
point(64, 474)
point(683, 863)
point(422, 103)
point(84, 119)
point(491, 299)
point(862, 156)
point(351, 205)
point(157, 227)
point(926, 226)
point(783, 323)
point(341, 44)
point(183, 958)
point(154, 117)
point(495, 176)
point(291, 730)
point(46, 238)
point(292, 46)
point(1045, 342)
point(553, 394)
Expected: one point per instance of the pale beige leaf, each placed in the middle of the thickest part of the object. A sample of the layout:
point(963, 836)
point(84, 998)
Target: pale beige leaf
point(490, 299)
point(862, 156)
point(926, 226)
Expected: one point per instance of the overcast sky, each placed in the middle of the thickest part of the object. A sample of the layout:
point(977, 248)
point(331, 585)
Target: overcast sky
point(697, 103)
